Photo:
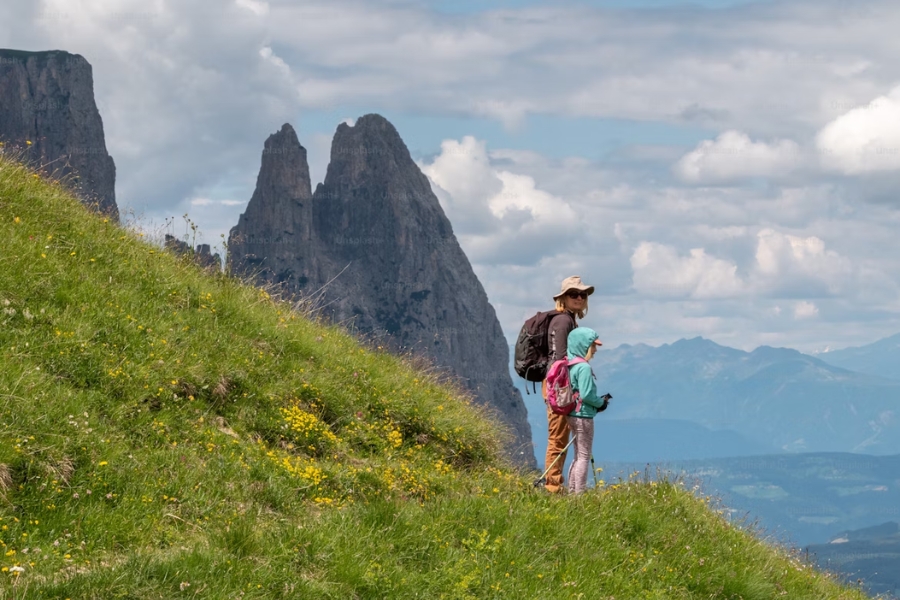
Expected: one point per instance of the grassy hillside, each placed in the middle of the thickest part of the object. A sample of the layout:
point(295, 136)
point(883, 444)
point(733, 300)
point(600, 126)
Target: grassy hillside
point(168, 433)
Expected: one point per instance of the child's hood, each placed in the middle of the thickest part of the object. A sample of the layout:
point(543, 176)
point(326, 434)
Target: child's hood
point(580, 339)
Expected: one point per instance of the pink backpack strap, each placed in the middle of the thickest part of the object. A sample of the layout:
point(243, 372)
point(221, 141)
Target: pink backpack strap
point(571, 364)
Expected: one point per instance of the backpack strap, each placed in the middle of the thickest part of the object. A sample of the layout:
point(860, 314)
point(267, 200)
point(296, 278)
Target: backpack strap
point(551, 340)
point(570, 364)
point(560, 313)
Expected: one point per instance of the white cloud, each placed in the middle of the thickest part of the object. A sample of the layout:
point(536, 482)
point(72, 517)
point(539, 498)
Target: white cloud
point(788, 262)
point(865, 139)
point(733, 155)
point(520, 194)
point(805, 310)
point(269, 55)
point(260, 9)
point(679, 261)
point(511, 113)
point(465, 181)
point(499, 215)
point(660, 271)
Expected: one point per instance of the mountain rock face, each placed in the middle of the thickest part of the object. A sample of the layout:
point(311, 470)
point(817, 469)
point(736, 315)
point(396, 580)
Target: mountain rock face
point(47, 110)
point(274, 235)
point(373, 248)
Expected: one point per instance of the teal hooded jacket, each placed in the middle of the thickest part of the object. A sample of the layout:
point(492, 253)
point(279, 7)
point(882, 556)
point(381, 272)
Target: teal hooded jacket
point(581, 375)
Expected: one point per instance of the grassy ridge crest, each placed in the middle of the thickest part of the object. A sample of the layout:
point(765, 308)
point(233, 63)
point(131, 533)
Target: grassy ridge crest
point(167, 432)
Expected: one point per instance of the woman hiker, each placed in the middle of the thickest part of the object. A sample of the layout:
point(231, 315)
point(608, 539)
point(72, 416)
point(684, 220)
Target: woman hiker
point(572, 302)
point(583, 343)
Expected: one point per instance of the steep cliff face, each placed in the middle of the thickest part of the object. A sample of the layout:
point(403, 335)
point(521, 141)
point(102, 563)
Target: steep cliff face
point(47, 99)
point(274, 235)
point(375, 246)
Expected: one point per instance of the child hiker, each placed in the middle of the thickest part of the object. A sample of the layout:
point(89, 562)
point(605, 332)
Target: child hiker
point(583, 343)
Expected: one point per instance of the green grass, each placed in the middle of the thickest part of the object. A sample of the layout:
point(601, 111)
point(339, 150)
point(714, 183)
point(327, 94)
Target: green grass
point(166, 432)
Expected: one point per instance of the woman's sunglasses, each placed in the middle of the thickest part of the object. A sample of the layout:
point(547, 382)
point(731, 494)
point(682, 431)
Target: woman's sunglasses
point(574, 295)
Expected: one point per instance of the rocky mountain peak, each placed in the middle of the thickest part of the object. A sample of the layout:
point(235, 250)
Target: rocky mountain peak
point(284, 171)
point(282, 150)
point(372, 143)
point(48, 112)
point(279, 214)
point(376, 250)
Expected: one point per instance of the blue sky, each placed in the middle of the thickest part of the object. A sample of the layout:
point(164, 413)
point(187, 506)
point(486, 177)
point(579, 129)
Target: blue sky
point(556, 136)
point(730, 166)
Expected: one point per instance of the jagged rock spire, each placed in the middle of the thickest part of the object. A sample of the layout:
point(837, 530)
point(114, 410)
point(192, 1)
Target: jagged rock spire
point(376, 246)
point(278, 216)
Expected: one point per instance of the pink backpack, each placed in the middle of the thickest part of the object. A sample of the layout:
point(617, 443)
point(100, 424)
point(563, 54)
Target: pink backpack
point(560, 396)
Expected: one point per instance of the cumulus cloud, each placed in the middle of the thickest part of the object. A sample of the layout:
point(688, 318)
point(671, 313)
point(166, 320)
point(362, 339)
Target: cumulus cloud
point(499, 215)
point(865, 139)
point(733, 156)
point(805, 310)
point(464, 182)
point(660, 270)
point(801, 264)
point(671, 261)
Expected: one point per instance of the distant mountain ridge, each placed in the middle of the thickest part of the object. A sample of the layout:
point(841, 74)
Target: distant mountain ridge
point(881, 358)
point(695, 399)
point(644, 440)
point(778, 397)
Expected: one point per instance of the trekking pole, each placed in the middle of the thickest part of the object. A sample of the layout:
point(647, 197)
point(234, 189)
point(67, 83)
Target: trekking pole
point(543, 478)
point(593, 470)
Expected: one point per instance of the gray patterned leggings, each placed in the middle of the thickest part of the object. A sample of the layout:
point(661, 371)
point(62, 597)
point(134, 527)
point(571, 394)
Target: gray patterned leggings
point(578, 471)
